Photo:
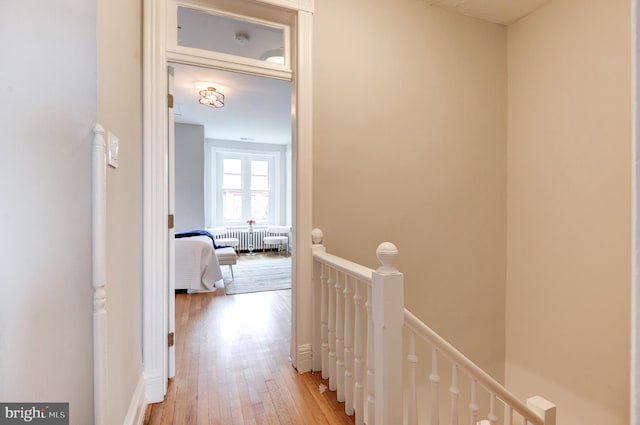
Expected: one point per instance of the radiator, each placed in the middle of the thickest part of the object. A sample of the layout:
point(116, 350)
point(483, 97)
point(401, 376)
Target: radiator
point(245, 238)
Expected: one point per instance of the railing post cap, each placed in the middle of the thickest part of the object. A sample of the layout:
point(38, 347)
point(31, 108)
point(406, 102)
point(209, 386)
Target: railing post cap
point(387, 254)
point(317, 236)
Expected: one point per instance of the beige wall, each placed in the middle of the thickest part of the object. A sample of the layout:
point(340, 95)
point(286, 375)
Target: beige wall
point(568, 278)
point(410, 147)
point(119, 111)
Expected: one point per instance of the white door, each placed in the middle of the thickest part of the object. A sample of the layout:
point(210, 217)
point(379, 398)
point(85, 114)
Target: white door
point(171, 296)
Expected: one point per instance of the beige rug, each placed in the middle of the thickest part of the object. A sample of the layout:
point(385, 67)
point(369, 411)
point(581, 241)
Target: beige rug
point(262, 272)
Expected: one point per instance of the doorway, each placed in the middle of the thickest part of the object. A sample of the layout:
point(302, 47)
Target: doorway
point(251, 128)
point(161, 47)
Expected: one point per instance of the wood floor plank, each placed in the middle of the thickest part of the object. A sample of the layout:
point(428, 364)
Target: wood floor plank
point(233, 366)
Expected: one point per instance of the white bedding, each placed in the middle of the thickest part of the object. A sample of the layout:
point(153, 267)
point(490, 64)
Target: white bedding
point(197, 267)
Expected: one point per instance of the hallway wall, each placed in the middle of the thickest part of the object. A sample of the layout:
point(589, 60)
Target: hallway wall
point(410, 147)
point(569, 205)
point(47, 114)
point(119, 111)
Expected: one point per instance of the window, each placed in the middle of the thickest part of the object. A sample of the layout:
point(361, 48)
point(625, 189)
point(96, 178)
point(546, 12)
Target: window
point(246, 189)
point(243, 185)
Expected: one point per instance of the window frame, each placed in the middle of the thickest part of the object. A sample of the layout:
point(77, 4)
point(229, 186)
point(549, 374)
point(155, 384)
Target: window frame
point(216, 152)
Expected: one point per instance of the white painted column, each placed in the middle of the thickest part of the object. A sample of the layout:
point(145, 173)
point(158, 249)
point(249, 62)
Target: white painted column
point(388, 321)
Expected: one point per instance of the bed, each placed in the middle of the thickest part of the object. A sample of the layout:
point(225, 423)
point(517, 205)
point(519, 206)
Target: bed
point(197, 267)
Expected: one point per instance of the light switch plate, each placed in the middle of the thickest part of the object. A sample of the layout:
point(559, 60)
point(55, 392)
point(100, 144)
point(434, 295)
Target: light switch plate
point(112, 149)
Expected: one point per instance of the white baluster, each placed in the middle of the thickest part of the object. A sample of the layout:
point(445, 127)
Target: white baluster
point(318, 362)
point(412, 403)
point(348, 351)
point(473, 404)
point(339, 339)
point(371, 373)
point(435, 380)
point(357, 356)
point(508, 419)
point(493, 418)
point(455, 393)
point(332, 330)
point(324, 325)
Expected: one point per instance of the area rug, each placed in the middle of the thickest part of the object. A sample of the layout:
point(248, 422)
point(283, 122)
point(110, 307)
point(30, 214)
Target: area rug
point(262, 272)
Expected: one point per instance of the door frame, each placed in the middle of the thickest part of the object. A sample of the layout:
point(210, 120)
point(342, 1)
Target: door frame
point(634, 407)
point(155, 191)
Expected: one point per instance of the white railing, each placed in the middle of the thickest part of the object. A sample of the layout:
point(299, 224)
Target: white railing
point(358, 307)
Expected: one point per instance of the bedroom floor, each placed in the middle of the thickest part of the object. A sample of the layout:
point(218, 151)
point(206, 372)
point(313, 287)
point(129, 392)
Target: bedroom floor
point(232, 366)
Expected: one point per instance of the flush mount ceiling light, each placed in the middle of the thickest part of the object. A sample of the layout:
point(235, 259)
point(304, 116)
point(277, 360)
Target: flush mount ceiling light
point(276, 59)
point(211, 98)
point(274, 56)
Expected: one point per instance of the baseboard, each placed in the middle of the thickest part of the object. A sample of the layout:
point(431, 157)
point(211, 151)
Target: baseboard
point(137, 406)
point(305, 358)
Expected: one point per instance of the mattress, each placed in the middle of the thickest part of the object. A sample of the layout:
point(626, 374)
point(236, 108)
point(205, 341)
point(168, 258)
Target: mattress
point(197, 268)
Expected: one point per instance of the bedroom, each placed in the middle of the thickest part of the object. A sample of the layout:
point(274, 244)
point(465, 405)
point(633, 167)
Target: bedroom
point(233, 165)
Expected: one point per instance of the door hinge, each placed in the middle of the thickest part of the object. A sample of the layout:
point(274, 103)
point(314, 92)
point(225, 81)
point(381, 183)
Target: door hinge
point(169, 100)
point(171, 338)
point(171, 220)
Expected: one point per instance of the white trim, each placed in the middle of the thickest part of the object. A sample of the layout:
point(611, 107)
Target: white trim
point(154, 291)
point(154, 382)
point(301, 291)
point(137, 406)
point(195, 57)
point(305, 357)
point(99, 273)
point(154, 209)
point(300, 5)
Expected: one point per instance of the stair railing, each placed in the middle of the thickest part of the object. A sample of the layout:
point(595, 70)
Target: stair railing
point(360, 320)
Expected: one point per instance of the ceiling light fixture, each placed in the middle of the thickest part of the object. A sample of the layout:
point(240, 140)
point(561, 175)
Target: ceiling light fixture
point(276, 59)
point(274, 56)
point(211, 98)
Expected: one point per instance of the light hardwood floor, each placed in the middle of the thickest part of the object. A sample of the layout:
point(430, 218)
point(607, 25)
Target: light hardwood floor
point(233, 368)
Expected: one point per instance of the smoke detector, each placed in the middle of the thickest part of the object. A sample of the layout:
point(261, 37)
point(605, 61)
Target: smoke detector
point(242, 38)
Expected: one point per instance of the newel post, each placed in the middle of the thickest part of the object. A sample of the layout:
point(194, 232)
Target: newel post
point(318, 291)
point(544, 408)
point(388, 320)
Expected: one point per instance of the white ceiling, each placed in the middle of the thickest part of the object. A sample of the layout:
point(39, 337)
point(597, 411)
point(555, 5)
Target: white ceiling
point(498, 11)
point(256, 109)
